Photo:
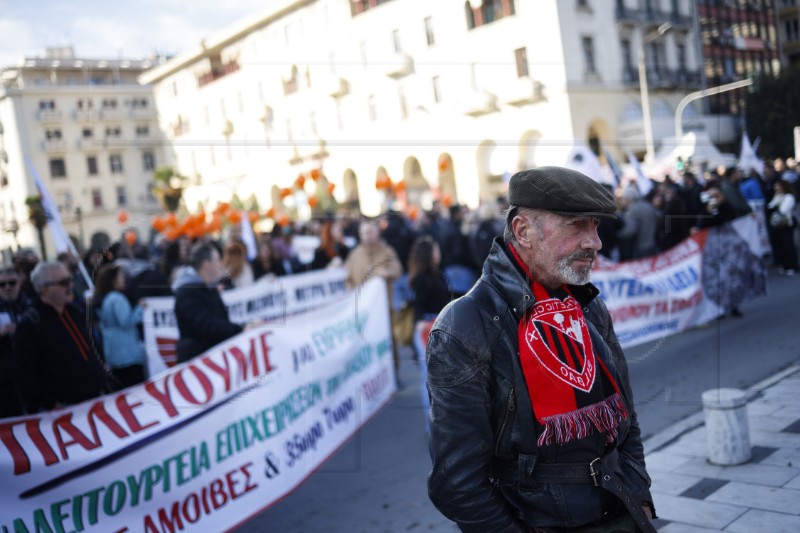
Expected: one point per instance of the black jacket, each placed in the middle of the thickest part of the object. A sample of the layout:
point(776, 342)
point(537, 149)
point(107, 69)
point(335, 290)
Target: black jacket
point(481, 414)
point(55, 358)
point(202, 319)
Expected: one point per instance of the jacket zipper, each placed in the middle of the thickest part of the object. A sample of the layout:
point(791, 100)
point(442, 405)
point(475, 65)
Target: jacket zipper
point(509, 409)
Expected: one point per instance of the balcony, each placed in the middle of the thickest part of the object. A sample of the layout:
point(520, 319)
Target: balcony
point(85, 115)
point(477, 103)
point(310, 150)
point(523, 91)
point(143, 113)
point(654, 17)
point(662, 78)
point(116, 141)
point(54, 145)
point(49, 115)
point(113, 114)
point(397, 65)
point(217, 72)
point(89, 144)
point(335, 86)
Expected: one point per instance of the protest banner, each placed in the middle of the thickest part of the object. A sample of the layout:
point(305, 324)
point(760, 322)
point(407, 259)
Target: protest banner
point(208, 443)
point(270, 298)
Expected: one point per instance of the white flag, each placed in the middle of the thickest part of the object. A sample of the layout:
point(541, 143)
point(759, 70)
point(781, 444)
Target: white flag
point(582, 159)
point(748, 158)
point(248, 237)
point(642, 181)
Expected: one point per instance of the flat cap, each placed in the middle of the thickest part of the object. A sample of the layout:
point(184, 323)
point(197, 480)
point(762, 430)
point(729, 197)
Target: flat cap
point(562, 191)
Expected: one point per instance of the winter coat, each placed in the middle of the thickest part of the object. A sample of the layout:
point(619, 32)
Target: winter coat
point(481, 414)
point(118, 322)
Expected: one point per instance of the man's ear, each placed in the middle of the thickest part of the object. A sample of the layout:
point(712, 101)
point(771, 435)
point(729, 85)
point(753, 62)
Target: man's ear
point(520, 226)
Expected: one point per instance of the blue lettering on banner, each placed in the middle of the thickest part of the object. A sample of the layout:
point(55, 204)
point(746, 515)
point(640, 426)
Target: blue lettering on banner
point(299, 445)
point(631, 287)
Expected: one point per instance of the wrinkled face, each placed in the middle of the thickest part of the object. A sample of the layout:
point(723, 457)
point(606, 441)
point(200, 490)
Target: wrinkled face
point(57, 290)
point(9, 286)
point(560, 249)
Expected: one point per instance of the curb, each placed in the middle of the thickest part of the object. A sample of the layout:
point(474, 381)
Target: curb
point(665, 437)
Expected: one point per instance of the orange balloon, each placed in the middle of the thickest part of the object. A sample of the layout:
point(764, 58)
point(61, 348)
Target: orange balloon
point(285, 192)
point(444, 164)
point(315, 174)
point(331, 187)
point(400, 186)
point(283, 221)
point(222, 207)
point(270, 212)
point(252, 216)
point(447, 201)
point(130, 237)
point(300, 181)
point(234, 217)
point(172, 220)
point(413, 213)
point(312, 202)
point(172, 234)
point(158, 224)
point(122, 217)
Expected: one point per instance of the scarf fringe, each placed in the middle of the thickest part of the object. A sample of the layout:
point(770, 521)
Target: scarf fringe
point(603, 417)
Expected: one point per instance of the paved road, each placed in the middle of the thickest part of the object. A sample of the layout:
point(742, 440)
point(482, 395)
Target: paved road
point(376, 483)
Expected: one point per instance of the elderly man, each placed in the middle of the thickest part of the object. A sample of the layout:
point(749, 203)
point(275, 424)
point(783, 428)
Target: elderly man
point(12, 304)
point(532, 420)
point(56, 360)
point(201, 314)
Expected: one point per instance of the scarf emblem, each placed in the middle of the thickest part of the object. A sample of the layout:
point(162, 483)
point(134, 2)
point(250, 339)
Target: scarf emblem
point(564, 318)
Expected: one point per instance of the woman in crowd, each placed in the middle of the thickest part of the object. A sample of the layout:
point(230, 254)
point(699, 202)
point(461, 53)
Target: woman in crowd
point(267, 261)
point(782, 223)
point(234, 258)
point(431, 292)
point(332, 250)
point(123, 350)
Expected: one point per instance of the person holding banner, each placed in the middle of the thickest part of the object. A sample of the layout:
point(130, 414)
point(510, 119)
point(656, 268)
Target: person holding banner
point(201, 315)
point(533, 426)
point(56, 361)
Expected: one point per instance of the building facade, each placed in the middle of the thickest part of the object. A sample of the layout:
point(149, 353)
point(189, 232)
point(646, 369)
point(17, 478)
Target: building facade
point(90, 131)
point(449, 97)
point(789, 30)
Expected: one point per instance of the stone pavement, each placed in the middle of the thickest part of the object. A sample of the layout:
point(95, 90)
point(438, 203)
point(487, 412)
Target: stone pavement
point(692, 496)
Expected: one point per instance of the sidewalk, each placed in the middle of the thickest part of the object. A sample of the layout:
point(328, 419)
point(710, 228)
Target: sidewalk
point(691, 495)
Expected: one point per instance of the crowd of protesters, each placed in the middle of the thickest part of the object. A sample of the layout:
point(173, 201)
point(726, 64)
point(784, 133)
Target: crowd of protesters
point(94, 343)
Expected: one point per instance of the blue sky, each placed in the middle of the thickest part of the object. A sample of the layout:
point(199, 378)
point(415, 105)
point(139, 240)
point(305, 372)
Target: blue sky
point(109, 29)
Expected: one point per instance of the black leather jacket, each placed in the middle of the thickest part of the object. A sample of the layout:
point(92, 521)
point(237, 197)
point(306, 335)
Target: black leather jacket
point(481, 413)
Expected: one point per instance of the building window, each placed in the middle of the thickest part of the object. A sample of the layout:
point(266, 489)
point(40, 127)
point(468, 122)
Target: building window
point(437, 90)
point(139, 103)
point(87, 133)
point(109, 103)
point(47, 105)
point(681, 57)
point(521, 59)
point(627, 55)
point(373, 113)
point(113, 132)
point(58, 168)
point(115, 162)
point(97, 198)
point(122, 196)
point(429, 38)
point(398, 46)
point(148, 161)
point(583, 5)
point(91, 165)
point(84, 104)
point(142, 130)
point(588, 55)
point(52, 135)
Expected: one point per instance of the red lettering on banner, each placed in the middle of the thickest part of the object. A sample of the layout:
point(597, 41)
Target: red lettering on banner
point(162, 397)
point(249, 364)
point(224, 373)
point(191, 509)
point(22, 463)
point(64, 424)
point(126, 410)
point(208, 388)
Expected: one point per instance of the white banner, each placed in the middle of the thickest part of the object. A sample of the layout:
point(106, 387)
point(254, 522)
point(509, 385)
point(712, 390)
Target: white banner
point(209, 443)
point(270, 298)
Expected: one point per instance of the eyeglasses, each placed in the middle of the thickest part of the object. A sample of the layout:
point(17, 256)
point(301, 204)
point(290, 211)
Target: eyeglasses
point(8, 283)
point(66, 282)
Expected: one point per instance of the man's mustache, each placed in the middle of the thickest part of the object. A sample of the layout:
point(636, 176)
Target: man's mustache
point(581, 256)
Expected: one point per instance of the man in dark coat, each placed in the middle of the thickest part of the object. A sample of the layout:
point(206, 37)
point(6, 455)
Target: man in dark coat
point(12, 305)
point(202, 316)
point(56, 360)
point(532, 418)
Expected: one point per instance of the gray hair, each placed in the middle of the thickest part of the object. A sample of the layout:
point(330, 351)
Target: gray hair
point(514, 210)
point(44, 272)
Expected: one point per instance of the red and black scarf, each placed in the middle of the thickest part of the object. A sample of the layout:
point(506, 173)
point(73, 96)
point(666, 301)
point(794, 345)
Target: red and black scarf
point(570, 396)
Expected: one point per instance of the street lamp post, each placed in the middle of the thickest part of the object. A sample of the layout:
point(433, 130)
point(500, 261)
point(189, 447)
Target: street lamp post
point(702, 94)
point(646, 118)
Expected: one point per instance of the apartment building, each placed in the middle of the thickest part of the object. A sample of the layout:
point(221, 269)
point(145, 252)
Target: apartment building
point(90, 131)
point(450, 97)
point(789, 30)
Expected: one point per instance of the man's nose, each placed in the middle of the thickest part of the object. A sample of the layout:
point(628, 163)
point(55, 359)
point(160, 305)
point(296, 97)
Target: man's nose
point(592, 240)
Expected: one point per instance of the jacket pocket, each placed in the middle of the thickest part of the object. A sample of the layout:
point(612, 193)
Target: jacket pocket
point(508, 414)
